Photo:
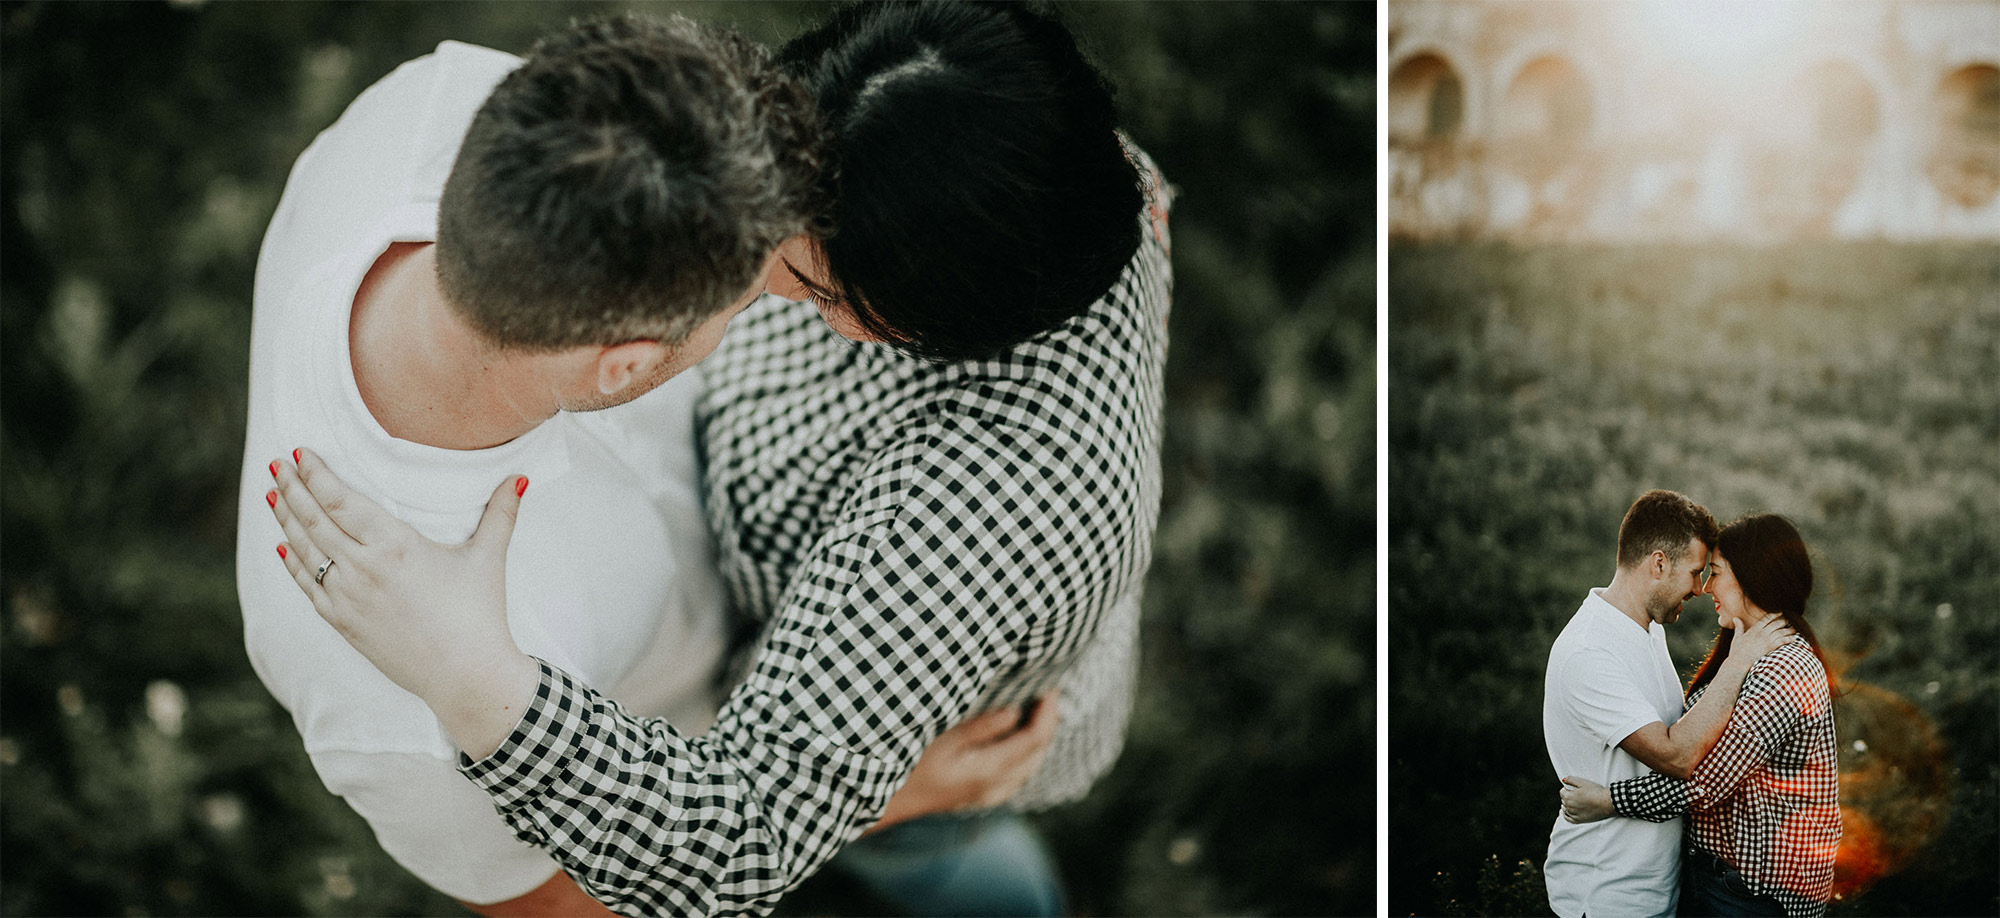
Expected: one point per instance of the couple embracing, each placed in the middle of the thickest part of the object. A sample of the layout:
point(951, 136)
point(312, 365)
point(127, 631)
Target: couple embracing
point(1720, 799)
point(836, 377)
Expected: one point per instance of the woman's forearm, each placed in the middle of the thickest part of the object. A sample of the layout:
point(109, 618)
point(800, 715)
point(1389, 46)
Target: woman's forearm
point(1696, 732)
point(480, 706)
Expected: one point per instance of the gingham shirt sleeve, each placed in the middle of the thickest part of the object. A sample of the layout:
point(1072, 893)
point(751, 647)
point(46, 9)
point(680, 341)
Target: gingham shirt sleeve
point(1768, 710)
point(839, 704)
point(1653, 797)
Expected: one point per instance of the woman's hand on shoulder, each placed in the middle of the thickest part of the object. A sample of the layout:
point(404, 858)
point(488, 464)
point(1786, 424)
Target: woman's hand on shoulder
point(431, 617)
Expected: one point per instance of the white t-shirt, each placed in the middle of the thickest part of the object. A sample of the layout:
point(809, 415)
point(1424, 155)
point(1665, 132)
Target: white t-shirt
point(610, 573)
point(1607, 678)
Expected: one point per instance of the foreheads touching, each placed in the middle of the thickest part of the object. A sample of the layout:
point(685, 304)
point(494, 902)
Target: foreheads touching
point(627, 182)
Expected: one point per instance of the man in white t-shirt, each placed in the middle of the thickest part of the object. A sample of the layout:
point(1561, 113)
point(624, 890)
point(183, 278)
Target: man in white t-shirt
point(491, 266)
point(1611, 709)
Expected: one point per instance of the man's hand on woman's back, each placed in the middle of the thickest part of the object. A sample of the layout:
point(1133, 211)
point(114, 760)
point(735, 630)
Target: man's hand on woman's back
point(978, 764)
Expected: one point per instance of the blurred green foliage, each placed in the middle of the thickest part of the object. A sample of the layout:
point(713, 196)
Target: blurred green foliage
point(1534, 392)
point(143, 768)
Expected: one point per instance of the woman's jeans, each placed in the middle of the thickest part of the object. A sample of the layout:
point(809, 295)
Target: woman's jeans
point(1710, 887)
point(983, 864)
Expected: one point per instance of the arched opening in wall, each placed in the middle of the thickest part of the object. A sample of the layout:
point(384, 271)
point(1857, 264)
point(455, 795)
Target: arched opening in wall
point(1426, 102)
point(1544, 117)
point(1829, 120)
point(1549, 102)
point(1965, 155)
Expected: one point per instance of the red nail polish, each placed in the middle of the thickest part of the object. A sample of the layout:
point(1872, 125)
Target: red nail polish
point(281, 551)
point(521, 486)
point(295, 457)
point(274, 468)
point(271, 497)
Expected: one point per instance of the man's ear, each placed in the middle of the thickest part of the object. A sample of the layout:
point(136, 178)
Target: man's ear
point(621, 365)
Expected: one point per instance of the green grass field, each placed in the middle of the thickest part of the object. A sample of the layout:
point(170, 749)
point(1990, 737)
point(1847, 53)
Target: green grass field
point(144, 769)
point(1534, 392)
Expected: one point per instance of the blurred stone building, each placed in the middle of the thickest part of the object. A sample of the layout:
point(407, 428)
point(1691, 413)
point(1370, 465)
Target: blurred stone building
point(1592, 121)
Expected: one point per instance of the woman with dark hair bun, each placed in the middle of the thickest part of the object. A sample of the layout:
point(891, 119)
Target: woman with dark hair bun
point(986, 355)
point(1763, 805)
point(982, 195)
point(932, 493)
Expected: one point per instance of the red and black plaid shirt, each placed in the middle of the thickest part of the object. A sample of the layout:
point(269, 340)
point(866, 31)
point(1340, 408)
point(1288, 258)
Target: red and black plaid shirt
point(1766, 798)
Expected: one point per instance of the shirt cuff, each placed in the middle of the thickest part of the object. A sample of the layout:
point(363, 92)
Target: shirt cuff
point(1653, 797)
point(538, 753)
point(1624, 799)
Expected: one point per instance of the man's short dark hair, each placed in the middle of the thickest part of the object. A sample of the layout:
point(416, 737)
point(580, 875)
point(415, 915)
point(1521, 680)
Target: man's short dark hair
point(984, 195)
point(1662, 521)
point(625, 183)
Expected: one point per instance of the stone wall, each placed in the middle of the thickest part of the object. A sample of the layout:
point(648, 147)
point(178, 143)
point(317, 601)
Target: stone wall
point(1593, 121)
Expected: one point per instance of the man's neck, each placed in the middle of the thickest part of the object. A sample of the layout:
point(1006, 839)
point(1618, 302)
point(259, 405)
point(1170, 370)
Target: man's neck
point(1628, 596)
point(426, 375)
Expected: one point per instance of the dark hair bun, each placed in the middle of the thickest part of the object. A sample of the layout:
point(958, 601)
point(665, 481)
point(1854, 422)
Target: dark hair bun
point(983, 194)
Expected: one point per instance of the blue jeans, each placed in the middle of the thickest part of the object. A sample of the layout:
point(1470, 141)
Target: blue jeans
point(985, 864)
point(1710, 887)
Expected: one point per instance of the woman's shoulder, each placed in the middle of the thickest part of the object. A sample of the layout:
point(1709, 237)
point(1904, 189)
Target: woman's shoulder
point(946, 440)
point(1001, 453)
point(1793, 654)
point(1793, 666)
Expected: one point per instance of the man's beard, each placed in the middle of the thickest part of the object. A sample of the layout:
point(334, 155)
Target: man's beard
point(1666, 607)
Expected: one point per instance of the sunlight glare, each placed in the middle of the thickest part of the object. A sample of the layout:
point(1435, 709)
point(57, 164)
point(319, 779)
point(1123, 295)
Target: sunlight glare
point(1721, 35)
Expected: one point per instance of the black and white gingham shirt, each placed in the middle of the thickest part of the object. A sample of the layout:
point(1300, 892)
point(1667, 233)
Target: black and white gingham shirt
point(1766, 799)
point(919, 542)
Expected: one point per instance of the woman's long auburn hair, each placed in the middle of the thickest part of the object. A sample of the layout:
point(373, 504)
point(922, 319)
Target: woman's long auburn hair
point(1768, 556)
